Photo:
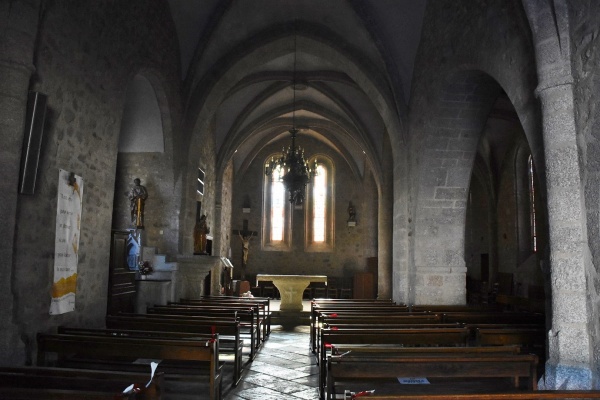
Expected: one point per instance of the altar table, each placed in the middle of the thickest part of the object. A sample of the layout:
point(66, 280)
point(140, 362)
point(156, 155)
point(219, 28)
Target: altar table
point(291, 288)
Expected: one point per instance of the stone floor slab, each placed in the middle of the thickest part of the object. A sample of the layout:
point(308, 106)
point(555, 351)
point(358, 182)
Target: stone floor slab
point(283, 368)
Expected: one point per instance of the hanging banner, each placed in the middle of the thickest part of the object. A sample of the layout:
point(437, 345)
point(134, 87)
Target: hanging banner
point(66, 245)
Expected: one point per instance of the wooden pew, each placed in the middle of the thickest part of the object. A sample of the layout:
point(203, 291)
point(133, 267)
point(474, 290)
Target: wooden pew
point(465, 372)
point(532, 340)
point(246, 316)
point(66, 383)
point(533, 395)
point(345, 318)
point(493, 317)
point(249, 314)
point(264, 304)
point(410, 337)
point(441, 308)
point(261, 309)
point(119, 353)
point(322, 303)
point(230, 341)
point(505, 336)
point(158, 329)
point(359, 310)
point(521, 303)
point(374, 350)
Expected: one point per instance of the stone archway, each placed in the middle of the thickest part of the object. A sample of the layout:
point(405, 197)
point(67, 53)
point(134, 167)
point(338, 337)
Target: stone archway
point(446, 157)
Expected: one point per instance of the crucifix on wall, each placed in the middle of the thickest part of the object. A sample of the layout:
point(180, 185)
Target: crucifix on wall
point(245, 235)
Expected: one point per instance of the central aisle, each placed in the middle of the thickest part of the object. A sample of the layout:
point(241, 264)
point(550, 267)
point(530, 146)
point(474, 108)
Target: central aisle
point(283, 368)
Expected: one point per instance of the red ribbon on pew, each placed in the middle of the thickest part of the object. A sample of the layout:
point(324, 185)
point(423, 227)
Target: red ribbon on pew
point(328, 345)
point(213, 330)
point(334, 315)
point(363, 393)
point(334, 328)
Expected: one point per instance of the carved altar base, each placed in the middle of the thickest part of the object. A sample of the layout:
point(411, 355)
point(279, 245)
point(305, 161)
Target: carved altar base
point(291, 288)
point(192, 272)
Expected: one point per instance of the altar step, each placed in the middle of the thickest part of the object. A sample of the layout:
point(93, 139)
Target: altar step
point(290, 318)
point(163, 268)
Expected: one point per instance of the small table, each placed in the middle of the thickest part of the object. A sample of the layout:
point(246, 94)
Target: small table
point(291, 288)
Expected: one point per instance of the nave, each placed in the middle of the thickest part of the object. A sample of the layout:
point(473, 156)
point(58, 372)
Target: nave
point(283, 368)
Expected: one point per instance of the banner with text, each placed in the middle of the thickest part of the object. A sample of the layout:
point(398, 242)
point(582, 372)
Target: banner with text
point(66, 245)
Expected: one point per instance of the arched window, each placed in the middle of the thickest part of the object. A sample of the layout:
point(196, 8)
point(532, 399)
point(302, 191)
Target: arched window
point(532, 211)
point(319, 216)
point(277, 206)
point(277, 211)
point(319, 213)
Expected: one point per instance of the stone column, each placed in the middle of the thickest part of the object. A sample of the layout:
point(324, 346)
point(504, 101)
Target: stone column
point(570, 344)
point(385, 227)
point(18, 23)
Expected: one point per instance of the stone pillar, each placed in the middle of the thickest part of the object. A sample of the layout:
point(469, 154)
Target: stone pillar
point(18, 23)
point(385, 226)
point(570, 344)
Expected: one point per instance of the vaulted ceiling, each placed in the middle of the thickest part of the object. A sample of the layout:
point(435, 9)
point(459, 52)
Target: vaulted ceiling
point(351, 62)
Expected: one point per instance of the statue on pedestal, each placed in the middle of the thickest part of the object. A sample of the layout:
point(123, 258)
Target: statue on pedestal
point(201, 229)
point(137, 197)
point(351, 212)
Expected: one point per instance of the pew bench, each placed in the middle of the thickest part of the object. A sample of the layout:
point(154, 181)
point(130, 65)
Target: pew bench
point(336, 320)
point(493, 317)
point(197, 359)
point(450, 373)
point(350, 312)
point(261, 307)
point(129, 328)
point(391, 325)
point(247, 317)
point(73, 384)
point(383, 350)
point(263, 302)
point(249, 314)
point(261, 313)
point(441, 308)
point(406, 337)
point(534, 395)
point(532, 340)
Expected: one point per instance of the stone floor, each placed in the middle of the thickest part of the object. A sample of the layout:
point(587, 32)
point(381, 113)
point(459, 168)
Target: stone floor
point(283, 368)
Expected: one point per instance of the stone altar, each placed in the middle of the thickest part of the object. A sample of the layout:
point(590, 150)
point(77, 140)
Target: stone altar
point(291, 288)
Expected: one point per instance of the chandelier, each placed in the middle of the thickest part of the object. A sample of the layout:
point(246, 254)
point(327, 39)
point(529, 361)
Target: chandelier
point(295, 173)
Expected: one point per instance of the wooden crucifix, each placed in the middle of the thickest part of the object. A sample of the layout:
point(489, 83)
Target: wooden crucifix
point(245, 235)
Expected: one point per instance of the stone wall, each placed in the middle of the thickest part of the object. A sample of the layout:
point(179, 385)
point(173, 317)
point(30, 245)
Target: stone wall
point(18, 23)
point(202, 154)
point(161, 219)
point(458, 75)
point(352, 246)
point(585, 59)
point(86, 53)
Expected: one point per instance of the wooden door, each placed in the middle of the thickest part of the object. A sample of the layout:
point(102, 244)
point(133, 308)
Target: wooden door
point(121, 281)
point(363, 285)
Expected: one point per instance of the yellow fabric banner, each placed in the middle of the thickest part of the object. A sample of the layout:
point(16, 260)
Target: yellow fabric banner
point(66, 245)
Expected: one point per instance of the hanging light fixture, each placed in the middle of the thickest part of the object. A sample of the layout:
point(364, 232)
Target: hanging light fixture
point(295, 171)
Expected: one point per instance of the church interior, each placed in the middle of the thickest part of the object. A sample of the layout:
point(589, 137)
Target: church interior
point(427, 152)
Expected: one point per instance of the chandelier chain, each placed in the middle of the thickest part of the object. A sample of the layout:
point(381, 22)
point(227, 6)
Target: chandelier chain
point(292, 168)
